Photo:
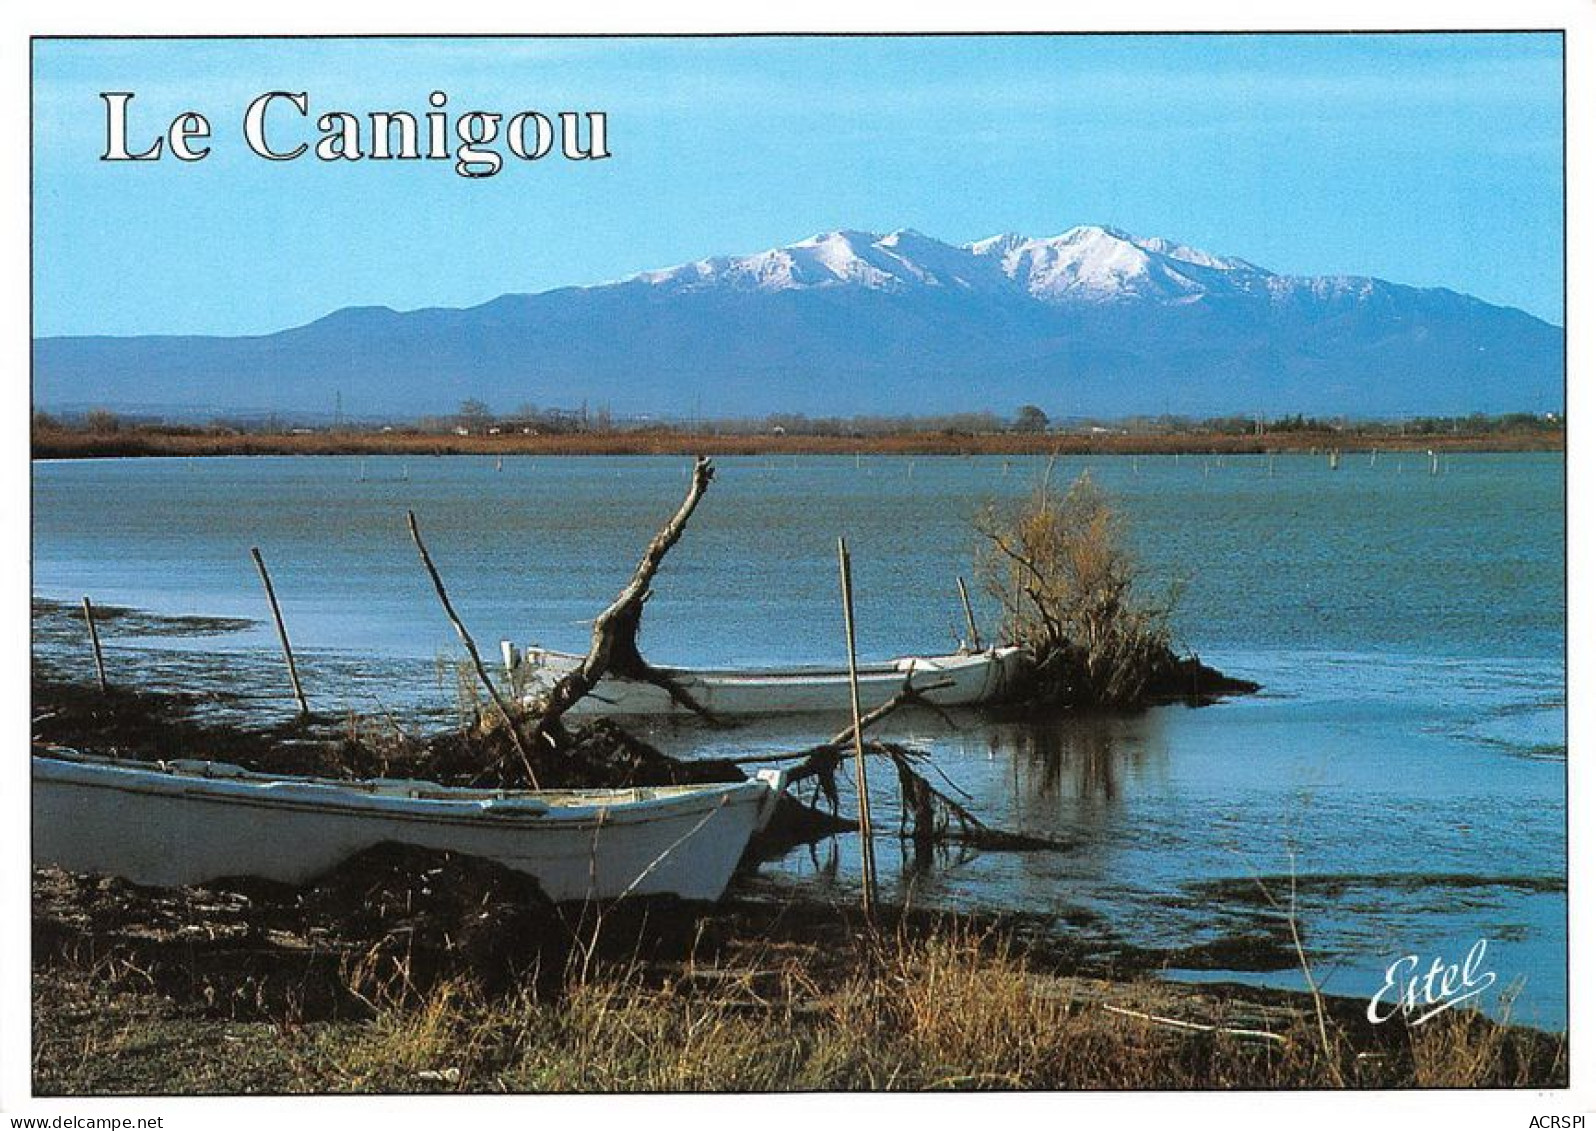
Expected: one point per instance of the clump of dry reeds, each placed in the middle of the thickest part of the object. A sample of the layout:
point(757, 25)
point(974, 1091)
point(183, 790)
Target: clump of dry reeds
point(1071, 592)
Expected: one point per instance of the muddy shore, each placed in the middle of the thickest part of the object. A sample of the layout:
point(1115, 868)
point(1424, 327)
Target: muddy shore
point(406, 970)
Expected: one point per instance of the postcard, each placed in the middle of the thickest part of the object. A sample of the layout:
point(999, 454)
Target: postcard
point(805, 561)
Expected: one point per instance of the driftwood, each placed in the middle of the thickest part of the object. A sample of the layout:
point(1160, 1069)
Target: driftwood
point(828, 754)
point(614, 646)
point(928, 814)
point(627, 661)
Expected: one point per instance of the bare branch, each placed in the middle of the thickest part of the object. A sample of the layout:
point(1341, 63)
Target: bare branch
point(470, 645)
point(620, 619)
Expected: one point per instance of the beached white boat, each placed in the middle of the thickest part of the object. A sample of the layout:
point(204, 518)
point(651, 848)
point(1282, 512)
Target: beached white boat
point(962, 679)
point(185, 822)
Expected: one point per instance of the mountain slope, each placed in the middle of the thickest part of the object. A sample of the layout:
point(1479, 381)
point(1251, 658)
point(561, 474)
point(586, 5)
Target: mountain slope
point(1092, 321)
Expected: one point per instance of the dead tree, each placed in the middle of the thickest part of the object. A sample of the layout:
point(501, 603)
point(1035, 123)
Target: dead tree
point(614, 646)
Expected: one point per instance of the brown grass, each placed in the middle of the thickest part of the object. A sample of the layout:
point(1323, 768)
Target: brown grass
point(63, 443)
point(955, 1010)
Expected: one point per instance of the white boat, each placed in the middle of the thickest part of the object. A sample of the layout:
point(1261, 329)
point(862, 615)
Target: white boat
point(185, 822)
point(962, 679)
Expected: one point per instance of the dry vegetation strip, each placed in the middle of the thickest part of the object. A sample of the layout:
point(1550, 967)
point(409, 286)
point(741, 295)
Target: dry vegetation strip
point(952, 1011)
point(63, 443)
point(408, 970)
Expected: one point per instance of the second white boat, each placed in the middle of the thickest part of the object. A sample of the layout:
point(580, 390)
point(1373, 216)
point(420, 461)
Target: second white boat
point(962, 679)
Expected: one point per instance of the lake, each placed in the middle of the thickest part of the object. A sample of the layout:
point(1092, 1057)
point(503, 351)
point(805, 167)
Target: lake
point(1405, 761)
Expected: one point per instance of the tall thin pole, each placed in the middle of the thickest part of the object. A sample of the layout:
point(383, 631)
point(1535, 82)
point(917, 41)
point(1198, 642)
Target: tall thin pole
point(969, 616)
point(471, 648)
point(282, 633)
point(94, 639)
point(861, 779)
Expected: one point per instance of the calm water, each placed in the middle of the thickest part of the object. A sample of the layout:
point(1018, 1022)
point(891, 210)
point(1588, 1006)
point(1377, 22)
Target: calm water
point(1406, 759)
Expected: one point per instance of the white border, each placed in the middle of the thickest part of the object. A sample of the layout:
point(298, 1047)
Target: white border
point(1385, 1109)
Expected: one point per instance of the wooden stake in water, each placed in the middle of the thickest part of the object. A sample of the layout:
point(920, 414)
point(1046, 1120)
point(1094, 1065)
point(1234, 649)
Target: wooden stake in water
point(969, 616)
point(282, 633)
point(94, 639)
point(861, 779)
point(471, 650)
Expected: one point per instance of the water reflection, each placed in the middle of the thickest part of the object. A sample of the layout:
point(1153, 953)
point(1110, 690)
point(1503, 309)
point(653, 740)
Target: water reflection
point(1080, 758)
point(1418, 692)
point(824, 859)
point(921, 861)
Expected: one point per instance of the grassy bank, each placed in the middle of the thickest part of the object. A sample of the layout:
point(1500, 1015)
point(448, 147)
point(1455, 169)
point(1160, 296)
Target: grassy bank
point(64, 443)
point(915, 1008)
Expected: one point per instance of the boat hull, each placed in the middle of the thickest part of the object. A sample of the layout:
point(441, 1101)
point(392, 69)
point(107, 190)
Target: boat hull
point(947, 681)
point(165, 827)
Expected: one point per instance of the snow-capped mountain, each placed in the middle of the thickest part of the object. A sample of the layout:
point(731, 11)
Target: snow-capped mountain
point(1092, 321)
point(1085, 264)
point(903, 260)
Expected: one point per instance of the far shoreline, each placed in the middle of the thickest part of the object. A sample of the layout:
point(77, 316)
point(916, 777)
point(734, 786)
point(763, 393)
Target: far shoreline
point(77, 444)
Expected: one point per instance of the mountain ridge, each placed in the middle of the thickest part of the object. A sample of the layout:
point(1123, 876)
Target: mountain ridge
point(1090, 321)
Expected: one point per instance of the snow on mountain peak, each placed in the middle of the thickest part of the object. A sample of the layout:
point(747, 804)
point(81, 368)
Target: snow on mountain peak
point(1171, 250)
point(1090, 263)
point(827, 259)
point(999, 245)
point(844, 240)
point(1083, 233)
point(1097, 263)
point(1087, 262)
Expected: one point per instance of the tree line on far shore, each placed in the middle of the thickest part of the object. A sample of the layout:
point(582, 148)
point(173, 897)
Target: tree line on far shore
point(475, 418)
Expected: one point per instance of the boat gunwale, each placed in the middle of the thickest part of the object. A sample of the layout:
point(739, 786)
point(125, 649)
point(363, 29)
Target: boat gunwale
point(333, 797)
point(896, 669)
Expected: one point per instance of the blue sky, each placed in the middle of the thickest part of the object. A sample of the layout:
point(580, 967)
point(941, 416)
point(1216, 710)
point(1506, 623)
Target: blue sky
point(1433, 160)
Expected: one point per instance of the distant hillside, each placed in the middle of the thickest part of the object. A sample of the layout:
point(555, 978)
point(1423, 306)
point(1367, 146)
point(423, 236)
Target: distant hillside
point(1093, 321)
